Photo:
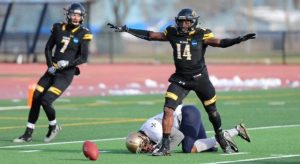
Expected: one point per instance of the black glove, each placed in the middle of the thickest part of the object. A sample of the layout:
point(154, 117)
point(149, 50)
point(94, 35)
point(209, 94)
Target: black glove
point(118, 28)
point(247, 37)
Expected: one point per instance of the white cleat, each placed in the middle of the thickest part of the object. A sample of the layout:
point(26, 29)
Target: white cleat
point(52, 133)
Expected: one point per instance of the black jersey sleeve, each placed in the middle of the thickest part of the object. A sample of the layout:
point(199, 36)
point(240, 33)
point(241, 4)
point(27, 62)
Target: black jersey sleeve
point(84, 49)
point(208, 34)
point(50, 44)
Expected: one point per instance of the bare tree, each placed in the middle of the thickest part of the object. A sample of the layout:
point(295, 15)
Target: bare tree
point(296, 4)
point(121, 9)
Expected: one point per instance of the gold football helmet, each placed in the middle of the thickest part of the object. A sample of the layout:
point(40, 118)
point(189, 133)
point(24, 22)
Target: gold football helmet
point(137, 142)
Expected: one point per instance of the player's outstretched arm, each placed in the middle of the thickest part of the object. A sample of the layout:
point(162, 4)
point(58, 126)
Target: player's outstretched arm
point(227, 42)
point(143, 34)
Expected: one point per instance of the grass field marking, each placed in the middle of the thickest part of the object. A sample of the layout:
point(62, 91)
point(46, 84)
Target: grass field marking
point(112, 139)
point(239, 153)
point(84, 123)
point(5, 108)
point(30, 151)
point(257, 159)
point(60, 143)
point(253, 96)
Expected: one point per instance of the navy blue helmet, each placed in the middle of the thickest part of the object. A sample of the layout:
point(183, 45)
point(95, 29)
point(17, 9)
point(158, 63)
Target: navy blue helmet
point(187, 14)
point(75, 8)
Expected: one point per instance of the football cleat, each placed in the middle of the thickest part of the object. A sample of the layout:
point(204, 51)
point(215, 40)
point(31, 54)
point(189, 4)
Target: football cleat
point(224, 144)
point(241, 128)
point(26, 137)
point(164, 150)
point(231, 142)
point(52, 132)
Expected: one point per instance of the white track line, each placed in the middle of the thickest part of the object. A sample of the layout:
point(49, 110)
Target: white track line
point(256, 159)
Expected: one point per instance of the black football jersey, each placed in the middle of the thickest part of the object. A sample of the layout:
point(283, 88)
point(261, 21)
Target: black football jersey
point(68, 42)
point(188, 50)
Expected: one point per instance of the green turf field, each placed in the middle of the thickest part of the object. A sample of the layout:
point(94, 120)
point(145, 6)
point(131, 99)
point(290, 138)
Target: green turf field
point(272, 117)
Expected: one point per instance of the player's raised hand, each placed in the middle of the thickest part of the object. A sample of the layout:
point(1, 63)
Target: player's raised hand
point(248, 36)
point(118, 28)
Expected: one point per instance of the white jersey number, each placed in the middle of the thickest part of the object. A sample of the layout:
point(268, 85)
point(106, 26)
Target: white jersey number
point(65, 40)
point(186, 53)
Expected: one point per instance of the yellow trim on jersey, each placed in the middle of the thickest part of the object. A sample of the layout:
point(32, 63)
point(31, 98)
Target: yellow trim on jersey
point(211, 101)
point(55, 65)
point(88, 36)
point(63, 28)
point(207, 36)
point(54, 90)
point(75, 29)
point(39, 88)
point(165, 32)
point(192, 32)
point(171, 96)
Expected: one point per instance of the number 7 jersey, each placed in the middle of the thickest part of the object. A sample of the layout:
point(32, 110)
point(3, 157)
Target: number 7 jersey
point(188, 50)
point(68, 41)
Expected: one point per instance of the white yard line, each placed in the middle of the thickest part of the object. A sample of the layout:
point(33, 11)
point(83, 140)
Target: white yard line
point(113, 139)
point(30, 151)
point(59, 143)
point(268, 127)
point(256, 159)
point(3, 108)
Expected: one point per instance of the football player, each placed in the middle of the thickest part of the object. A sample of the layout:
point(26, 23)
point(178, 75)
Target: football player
point(189, 43)
point(71, 40)
point(187, 129)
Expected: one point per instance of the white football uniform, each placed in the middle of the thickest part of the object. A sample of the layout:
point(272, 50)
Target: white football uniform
point(153, 126)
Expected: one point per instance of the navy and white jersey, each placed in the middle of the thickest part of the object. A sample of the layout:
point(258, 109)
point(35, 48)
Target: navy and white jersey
point(188, 50)
point(153, 126)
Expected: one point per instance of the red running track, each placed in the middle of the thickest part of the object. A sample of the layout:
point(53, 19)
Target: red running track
point(101, 79)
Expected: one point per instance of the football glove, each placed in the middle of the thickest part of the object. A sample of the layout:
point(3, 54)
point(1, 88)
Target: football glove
point(123, 28)
point(51, 70)
point(62, 64)
point(247, 37)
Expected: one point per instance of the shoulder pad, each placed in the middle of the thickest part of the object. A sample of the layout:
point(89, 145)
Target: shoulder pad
point(57, 26)
point(85, 28)
point(208, 34)
point(87, 35)
point(206, 31)
point(170, 29)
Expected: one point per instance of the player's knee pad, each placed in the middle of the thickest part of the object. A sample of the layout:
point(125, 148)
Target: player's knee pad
point(187, 144)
